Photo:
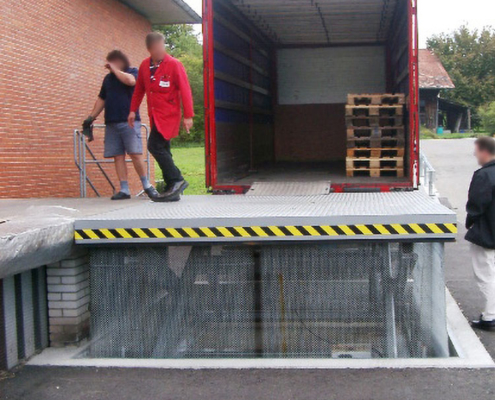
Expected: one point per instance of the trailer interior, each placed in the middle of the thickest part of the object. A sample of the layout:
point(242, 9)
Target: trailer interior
point(278, 74)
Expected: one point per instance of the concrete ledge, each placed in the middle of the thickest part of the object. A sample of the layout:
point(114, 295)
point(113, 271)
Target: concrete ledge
point(38, 232)
point(471, 352)
point(35, 248)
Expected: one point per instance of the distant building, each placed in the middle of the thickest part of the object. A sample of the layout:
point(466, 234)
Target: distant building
point(52, 59)
point(436, 112)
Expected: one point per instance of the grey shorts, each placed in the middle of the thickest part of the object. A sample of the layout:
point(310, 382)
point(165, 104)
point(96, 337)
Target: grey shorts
point(120, 139)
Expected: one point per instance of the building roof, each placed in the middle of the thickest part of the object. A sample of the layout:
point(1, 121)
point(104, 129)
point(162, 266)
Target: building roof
point(450, 104)
point(432, 74)
point(164, 11)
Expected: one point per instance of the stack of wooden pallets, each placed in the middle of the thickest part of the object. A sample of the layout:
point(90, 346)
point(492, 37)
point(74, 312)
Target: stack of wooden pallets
point(375, 135)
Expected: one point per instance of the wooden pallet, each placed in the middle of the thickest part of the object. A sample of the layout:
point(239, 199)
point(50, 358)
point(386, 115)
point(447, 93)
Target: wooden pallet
point(375, 121)
point(375, 99)
point(374, 162)
point(377, 172)
point(379, 143)
point(376, 131)
point(366, 111)
point(376, 152)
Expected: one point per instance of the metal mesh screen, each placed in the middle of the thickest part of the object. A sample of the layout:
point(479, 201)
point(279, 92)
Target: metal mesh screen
point(325, 301)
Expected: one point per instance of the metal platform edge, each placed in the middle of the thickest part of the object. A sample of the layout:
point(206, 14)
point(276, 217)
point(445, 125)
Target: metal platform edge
point(162, 232)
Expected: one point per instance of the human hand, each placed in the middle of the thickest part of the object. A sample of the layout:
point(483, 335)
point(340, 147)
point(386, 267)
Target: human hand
point(110, 66)
point(88, 122)
point(87, 126)
point(188, 124)
point(131, 118)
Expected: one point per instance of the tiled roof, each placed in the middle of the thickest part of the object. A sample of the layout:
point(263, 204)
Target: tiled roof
point(432, 74)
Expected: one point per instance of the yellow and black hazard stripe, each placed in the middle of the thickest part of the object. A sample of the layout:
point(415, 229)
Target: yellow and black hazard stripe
point(267, 231)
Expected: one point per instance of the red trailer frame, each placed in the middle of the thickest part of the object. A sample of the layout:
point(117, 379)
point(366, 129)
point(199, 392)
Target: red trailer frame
point(210, 128)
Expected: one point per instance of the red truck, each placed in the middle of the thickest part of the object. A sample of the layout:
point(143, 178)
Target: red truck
point(277, 75)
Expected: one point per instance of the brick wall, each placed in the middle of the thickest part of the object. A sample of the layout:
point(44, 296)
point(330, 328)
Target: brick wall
point(68, 299)
point(52, 55)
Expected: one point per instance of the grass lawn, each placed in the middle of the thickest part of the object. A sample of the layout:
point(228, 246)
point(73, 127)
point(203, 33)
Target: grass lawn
point(426, 134)
point(451, 136)
point(191, 161)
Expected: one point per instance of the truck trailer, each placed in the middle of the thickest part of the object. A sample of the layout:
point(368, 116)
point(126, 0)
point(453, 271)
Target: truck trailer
point(277, 79)
point(305, 259)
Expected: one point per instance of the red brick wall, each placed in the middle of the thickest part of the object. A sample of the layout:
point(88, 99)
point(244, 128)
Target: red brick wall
point(52, 54)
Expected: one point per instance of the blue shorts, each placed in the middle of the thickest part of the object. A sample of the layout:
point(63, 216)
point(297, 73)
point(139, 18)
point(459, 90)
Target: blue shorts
point(120, 139)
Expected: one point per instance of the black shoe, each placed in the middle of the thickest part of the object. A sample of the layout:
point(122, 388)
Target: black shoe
point(166, 199)
point(121, 196)
point(151, 192)
point(484, 325)
point(176, 188)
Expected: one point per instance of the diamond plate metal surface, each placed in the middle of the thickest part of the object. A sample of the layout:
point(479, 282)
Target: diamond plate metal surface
point(289, 188)
point(242, 207)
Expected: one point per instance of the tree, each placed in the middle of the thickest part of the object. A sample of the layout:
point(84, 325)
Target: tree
point(487, 114)
point(469, 58)
point(184, 44)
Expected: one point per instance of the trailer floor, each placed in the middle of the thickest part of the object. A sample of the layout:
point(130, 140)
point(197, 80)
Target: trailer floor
point(303, 172)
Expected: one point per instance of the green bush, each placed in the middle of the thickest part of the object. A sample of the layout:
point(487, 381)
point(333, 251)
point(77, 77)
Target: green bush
point(426, 133)
point(487, 114)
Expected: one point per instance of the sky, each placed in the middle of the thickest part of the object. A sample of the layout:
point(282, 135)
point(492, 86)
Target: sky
point(437, 16)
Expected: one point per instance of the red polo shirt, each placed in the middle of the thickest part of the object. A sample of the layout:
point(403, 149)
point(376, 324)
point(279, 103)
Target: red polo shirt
point(164, 93)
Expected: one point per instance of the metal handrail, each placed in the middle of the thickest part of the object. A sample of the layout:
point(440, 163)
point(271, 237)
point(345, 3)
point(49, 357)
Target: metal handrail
point(427, 174)
point(81, 149)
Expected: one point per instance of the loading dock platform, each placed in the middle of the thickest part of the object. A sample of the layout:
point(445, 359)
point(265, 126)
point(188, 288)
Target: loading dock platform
point(394, 216)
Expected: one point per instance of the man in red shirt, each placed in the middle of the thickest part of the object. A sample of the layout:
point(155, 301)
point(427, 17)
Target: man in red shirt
point(164, 81)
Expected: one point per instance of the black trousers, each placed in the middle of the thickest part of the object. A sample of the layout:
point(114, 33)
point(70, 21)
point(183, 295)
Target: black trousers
point(159, 147)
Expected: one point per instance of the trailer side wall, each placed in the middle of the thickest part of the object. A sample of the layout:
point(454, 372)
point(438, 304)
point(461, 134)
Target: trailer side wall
point(243, 94)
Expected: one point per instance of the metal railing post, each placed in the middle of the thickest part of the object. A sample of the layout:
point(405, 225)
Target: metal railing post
point(431, 182)
point(81, 149)
point(427, 172)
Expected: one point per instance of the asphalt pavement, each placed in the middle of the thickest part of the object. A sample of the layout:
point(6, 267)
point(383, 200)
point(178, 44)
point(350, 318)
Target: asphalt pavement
point(454, 164)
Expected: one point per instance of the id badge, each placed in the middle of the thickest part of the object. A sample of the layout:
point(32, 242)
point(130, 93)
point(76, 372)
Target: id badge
point(164, 84)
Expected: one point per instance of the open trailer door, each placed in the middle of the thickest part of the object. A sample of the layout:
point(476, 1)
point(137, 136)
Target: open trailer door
point(414, 91)
point(209, 96)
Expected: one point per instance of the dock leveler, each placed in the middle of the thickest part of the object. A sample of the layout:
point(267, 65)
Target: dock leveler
point(353, 272)
point(344, 275)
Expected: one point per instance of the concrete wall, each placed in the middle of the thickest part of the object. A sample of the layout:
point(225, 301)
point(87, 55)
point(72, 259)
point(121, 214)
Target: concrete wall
point(52, 56)
point(23, 316)
point(45, 306)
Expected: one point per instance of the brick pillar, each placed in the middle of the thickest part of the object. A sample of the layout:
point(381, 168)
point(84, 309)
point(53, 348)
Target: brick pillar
point(68, 299)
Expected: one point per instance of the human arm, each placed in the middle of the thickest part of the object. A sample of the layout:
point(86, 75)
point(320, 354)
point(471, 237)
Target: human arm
point(186, 97)
point(99, 103)
point(137, 97)
point(97, 108)
point(124, 77)
point(479, 198)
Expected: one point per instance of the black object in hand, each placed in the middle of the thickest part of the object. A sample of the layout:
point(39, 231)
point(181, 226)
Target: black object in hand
point(87, 130)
